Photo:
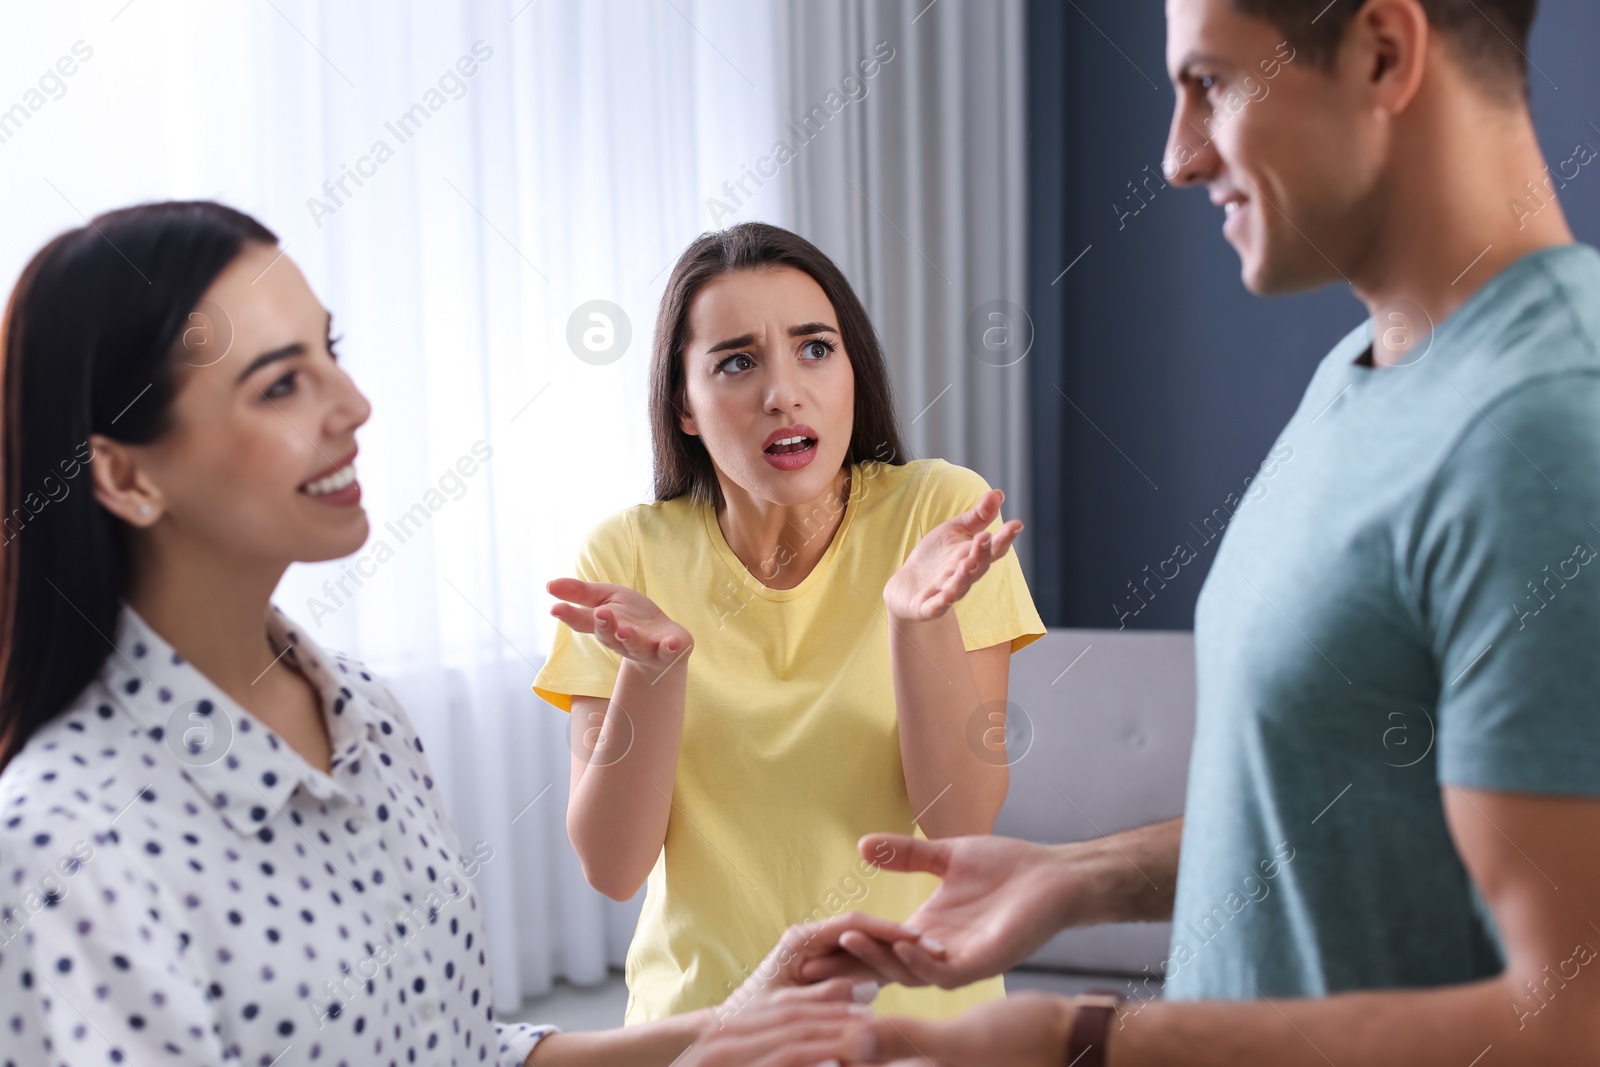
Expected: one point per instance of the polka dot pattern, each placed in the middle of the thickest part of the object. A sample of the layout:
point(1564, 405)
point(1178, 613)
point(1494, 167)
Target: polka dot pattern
point(168, 899)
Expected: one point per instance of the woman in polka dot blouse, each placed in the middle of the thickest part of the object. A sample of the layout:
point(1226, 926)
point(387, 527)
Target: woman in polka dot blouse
point(219, 842)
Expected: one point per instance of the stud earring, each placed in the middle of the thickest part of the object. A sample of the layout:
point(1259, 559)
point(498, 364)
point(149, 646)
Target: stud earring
point(144, 511)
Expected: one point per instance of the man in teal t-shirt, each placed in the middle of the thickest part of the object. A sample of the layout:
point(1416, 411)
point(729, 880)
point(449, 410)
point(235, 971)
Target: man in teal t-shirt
point(1413, 603)
point(1390, 853)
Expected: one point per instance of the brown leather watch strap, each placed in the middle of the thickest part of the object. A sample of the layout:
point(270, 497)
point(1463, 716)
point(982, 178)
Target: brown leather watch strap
point(1091, 1028)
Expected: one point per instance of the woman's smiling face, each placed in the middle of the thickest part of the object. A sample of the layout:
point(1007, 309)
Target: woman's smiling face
point(768, 385)
point(259, 458)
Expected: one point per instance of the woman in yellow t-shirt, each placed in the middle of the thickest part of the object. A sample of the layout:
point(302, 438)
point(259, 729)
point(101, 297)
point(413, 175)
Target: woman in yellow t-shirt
point(790, 647)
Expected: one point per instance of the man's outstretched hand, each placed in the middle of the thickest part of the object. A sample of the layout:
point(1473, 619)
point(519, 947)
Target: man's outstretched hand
point(998, 901)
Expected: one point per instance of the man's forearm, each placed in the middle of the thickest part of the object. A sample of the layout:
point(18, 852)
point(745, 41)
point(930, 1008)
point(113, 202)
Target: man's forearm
point(1453, 1026)
point(1126, 877)
point(654, 1044)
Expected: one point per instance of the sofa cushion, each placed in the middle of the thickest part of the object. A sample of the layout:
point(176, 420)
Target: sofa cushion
point(1099, 731)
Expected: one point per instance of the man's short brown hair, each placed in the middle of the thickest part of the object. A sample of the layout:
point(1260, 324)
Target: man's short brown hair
point(1489, 37)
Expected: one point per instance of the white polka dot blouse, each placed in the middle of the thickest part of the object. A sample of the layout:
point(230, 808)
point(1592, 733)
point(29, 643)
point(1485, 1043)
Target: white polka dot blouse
point(179, 886)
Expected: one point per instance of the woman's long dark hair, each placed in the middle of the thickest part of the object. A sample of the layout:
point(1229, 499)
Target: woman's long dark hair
point(682, 464)
point(88, 342)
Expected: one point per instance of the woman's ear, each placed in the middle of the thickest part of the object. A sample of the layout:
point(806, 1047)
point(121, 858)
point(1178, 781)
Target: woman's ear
point(121, 485)
point(685, 420)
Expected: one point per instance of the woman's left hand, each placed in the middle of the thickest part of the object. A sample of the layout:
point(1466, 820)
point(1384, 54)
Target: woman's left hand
point(949, 561)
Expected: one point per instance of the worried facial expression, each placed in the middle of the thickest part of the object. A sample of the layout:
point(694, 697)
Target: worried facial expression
point(768, 385)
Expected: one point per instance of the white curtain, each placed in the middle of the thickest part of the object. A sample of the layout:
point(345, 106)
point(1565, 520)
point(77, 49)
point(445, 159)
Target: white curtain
point(459, 184)
point(453, 222)
point(917, 190)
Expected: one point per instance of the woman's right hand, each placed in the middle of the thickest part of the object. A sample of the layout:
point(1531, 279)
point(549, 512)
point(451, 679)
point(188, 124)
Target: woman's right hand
point(623, 620)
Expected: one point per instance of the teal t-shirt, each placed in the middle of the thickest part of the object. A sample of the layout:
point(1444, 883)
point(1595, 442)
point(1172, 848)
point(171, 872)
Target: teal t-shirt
point(1407, 599)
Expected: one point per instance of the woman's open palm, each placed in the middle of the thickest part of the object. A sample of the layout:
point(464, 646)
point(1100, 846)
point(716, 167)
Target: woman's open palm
point(622, 619)
point(949, 561)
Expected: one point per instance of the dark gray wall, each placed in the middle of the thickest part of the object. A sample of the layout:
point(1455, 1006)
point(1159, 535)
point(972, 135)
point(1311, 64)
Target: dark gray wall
point(1158, 382)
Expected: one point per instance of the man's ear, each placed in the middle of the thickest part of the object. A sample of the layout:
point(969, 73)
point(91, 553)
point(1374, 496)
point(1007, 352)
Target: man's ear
point(1392, 41)
point(120, 483)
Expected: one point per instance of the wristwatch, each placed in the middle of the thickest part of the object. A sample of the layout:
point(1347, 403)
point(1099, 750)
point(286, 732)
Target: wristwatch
point(1091, 1027)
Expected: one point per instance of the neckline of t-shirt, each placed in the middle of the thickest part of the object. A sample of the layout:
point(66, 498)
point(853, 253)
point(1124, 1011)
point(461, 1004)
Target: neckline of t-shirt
point(1459, 322)
point(732, 561)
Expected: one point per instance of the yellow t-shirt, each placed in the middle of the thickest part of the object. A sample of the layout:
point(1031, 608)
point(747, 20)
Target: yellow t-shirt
point(790, 747)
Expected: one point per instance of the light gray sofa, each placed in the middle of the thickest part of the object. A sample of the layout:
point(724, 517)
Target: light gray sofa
point(1103, 722)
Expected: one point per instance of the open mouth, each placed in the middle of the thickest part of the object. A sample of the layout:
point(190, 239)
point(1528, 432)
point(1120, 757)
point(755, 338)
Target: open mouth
point(1233, 210)
point(339, 479)
point(790, 448)
point(337, 485)
point(791, 445)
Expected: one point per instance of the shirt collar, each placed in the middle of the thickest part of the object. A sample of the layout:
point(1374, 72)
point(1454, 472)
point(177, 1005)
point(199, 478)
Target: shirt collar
point(244, 769)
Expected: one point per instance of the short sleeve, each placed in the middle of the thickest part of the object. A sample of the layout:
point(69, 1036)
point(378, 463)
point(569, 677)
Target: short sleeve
point(1506, 572)
point(92, 969)
point(579, 665)
point(999, 608)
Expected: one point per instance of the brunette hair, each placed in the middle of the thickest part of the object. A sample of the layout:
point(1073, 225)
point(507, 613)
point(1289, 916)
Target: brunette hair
point(1489, 37)
point(88, 340)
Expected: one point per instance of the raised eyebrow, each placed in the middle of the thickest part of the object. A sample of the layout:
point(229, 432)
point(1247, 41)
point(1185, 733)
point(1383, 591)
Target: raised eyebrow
point(743, 341)
point(806, 329)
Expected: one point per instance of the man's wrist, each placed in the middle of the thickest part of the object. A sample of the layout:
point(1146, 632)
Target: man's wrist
point(1090, 880)
point(1100, 882)
point(1093, 1016)
point(1061, 1031)
point(1066, 1017)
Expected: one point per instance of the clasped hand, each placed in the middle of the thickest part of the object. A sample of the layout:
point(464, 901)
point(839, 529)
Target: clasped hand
point(998, 900)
